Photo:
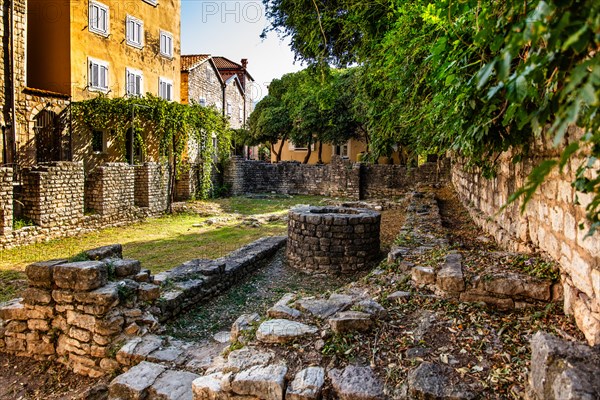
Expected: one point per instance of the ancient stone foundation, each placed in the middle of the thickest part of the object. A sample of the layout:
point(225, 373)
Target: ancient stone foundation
point(332, 240)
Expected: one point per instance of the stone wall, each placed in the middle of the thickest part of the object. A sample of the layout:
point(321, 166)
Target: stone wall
point(53, 197)
point(6, 201)
point(339, 178)
point(76, 312)
point(53, 194)
point(110, 189)
point(151, 187)
point(550, 223)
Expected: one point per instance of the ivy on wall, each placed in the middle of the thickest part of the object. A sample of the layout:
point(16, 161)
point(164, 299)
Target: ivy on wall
point(172, 124)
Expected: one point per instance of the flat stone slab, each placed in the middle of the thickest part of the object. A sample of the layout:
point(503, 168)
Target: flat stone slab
point(323, 308)
point(282, 311)
point(432, 381)
point(283, 331)
point(209, 387)
point(40, 274)
point(450, 277)
point(512, 284)
point(80, 276)
point(172, 385)
point(307, 384)
point(371, 307)
point(138, 349)
point(125, 267)
point(399, 296)
point(110, 251)
point(243, 324)
point(247, 357)
point(134, 384)
point(264, 382)
point(350, 321)
point(356, 383)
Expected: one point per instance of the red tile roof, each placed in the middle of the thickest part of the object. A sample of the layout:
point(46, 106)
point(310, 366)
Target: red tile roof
point(190, 61)
point(225, 63)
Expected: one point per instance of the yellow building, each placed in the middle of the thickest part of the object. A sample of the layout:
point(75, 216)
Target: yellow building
point(350, 151)
point(111, 47)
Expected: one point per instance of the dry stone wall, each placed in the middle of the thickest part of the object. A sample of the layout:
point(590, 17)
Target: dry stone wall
point(339, 178)
point(550, 223)
point(75, 312)
point(53, 194)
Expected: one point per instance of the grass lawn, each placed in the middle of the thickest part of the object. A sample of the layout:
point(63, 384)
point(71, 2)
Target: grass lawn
point(161, 243)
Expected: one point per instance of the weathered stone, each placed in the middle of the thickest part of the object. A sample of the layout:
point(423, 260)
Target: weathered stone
point(38, 325)
point(399, 296)
point(222, 337)
point(13, 310)
point(283, 331)
point(371, 307)
point(209, 387)
point(563, 370)
point(80, 276)
point(323, 308)
point(350, 321)
point(84, 321)
point(243, 324)
point(109, 365)
point(134, 384)
point(247, 357)
point(138, 349)
point(356, 383)
point(40, 274)
point(423, 275)
point(109, 325)
point(85, 366)
point(282, 311)
point(148, 292)
point(450, 276)
point(502, 304)
point(307, 384)
point(432, 381)
point(107, 295)
point(63, 296)
point(40, 348)
point(15, 326)
point(125, 267)
point(172, 385)
point(264, 382)
point(110, 251)
point(34, 295)
point(81, 335)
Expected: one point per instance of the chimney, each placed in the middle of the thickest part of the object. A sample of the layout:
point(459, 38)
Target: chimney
point(244, 63)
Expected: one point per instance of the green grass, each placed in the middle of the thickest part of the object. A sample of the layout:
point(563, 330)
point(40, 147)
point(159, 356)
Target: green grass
point(11, 282)
point(165, 242)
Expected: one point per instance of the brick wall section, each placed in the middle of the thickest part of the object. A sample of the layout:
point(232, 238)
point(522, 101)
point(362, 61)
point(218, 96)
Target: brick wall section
point(6, 200)
point(550, 224)
point(53, 194)
point(151, 184)
point(339, 178)
point(110, 189)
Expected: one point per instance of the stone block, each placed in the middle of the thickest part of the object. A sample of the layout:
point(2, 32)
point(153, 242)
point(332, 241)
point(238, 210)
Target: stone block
point(107, 295)
point(135, 383)
point(350, 321)
point(450, 277)
point(356, 383)
point(148, 292)
point(14, 310)
point(283, 331)
point(125, 267)
point(423, 275)
point(242, 324)
point(80, 276)
point(40, 274)
point(307, 384)
point(35, 295)
point(210, 387)
point(84, 321)
point(110, 251)
point(263, 382)
point(500, 303)
point(172, 385)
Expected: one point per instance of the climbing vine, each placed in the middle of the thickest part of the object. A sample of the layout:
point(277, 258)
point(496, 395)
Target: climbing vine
point(172, 125)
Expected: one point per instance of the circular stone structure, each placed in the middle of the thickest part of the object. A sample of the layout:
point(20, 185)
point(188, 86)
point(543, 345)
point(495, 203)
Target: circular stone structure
point(332, 240)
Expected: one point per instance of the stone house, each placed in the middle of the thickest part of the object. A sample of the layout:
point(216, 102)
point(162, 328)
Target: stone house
point(107, 47)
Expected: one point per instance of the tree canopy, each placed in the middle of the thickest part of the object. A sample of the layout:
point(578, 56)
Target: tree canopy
point(474, 77)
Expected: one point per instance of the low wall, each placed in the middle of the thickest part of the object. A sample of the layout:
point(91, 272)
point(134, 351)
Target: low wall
point(550, 223)
point(77, 312)
point(339, 178)
point(54, 198)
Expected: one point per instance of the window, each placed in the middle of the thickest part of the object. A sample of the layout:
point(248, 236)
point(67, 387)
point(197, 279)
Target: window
point(209, 74)
point(165, 89)
point(241, 113)
point(341, 150)
point(152, 2)
point(98, 75)
point(98, 141)
point(202, 101)
point(166, 44)
point(134, 85)
point(98, 18)
point(295, 147)
point(134, 32)
point(229, 108)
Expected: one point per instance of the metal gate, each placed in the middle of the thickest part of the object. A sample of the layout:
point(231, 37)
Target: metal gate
point(47, 137)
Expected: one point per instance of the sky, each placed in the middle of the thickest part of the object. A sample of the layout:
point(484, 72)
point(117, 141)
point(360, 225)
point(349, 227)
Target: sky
point(232, 29)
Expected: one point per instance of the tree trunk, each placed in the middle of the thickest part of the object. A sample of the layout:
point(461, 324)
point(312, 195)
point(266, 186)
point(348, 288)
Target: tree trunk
point(278, 155)
point(308, 153)
point(320, 153)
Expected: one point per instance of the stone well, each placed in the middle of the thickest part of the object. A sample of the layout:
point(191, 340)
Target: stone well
point(332, 240)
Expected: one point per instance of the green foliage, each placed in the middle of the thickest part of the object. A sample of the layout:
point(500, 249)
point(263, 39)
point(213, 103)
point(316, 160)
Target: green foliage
point(537, 267)
point(79, 257)
point(172, 124)
point(19, 223)
point(477, 78)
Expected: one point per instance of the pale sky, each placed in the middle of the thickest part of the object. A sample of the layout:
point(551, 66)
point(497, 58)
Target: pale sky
point(232, 29)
